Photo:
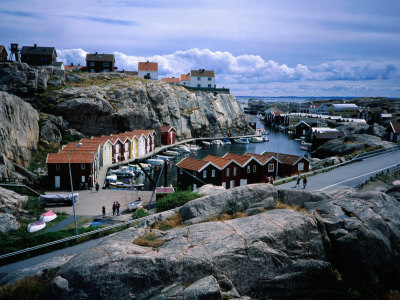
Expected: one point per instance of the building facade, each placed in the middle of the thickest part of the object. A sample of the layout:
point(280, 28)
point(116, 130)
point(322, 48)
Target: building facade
point(97, 63)
point(168, 135)
point(148, 70)
point(3, 53)
point(38, 56)
point(202, 78)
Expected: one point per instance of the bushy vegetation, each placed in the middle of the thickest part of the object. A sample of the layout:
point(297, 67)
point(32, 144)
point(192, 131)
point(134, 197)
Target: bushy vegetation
point(175, 200)
point(33, 206)
point(232, 207)
point(40, 155)
point(149, 240)
point(172, 222)
point(139, 213)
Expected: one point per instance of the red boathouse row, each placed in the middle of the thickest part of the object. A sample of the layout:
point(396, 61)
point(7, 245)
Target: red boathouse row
point(236, 170)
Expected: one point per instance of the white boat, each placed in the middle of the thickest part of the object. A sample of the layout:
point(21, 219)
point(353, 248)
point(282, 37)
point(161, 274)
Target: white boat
point(36, 226)
point(242, 141)
point(226, 141)
point(48, 216)
point(155, 161)
point(256, 139)
point(134, 205)
point(164, 157)
point(111, 178)
point(193, 147)
point(205, 143)
point(265, 138)
point(217, 142)
point(57, 199)
point(173, 153)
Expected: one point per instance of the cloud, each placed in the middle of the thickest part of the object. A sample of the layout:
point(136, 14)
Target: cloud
point(19, 13)
point(257, 73)
point(106, 21)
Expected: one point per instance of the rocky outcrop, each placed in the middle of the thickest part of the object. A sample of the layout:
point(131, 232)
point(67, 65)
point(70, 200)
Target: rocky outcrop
point(54, 128)
point(23, 79)
point(8, 222)
point(124, 102)
point(11, 205)
point(209, 189)
point(350, 144)
point(342, 240)
point(19, 129)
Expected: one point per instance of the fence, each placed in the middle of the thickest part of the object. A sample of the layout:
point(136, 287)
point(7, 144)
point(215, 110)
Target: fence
point(382, 172)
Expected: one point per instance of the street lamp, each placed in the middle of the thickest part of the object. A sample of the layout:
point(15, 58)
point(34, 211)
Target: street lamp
point(72, 187)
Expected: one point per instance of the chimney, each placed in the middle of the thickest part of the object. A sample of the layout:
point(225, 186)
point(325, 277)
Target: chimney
point(34, 45)
point(79, 65)
point(72, 64)
point(95, 53)
point(306, 155)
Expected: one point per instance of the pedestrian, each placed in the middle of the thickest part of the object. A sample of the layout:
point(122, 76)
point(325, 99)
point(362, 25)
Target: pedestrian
point(266, 179)
point(304, 181)
point(118, 206)
point(114, 207)
point(104, 211)
point(272, 180)
point(97, 186)
point(297, 180)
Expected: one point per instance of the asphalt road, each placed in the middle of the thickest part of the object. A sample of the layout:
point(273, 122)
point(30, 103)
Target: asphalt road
point(348, 176)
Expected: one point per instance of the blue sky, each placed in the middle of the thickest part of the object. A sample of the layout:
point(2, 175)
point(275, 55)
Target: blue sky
point(265, 48)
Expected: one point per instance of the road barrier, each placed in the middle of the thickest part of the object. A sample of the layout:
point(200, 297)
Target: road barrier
point(382, 172)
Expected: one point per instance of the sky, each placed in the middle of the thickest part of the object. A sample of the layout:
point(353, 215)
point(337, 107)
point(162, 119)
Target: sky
point(256, 47)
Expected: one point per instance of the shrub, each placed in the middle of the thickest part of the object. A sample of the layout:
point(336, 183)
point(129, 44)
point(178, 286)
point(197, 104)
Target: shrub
point(149, 240)
point(139, 213)
point(172, 222)
point(175, 200)
point(232, 207)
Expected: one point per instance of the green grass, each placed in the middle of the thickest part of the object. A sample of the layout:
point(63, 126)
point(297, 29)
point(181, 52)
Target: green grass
point(175, 200)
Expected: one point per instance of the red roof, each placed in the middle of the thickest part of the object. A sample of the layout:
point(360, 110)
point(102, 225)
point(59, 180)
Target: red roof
point(145, 132)
point(220, 162)
point(284, 158)
point(185, 77)
point(164, 190)
point(395, 127)
point(171, 80)
point(191, 164)
point(167, 128)
point(241, 159)
point(75, 157)
point(148, 66)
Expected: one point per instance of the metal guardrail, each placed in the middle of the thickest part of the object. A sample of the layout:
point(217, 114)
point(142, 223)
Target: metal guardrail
point(387, 170)
point(127, 223)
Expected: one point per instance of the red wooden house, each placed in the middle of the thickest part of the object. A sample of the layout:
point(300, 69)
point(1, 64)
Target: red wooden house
point(194, 173)
point(168, 134)
point(251, 168)
point(230, 170)
point(269, 164)
point(289, 165)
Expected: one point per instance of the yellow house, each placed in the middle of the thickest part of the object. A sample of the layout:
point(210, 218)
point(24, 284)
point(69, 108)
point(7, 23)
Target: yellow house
point(107, 153)
point(135, 147)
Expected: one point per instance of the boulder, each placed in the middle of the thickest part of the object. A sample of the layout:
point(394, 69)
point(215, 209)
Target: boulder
point(11, 202)
point(8, 222)
point(6, 168)
point(209, 189)
point(377, 130)
point(203, 208)
point(299, 198)
point(394, 191)
point(19, 129)
point(205, 288)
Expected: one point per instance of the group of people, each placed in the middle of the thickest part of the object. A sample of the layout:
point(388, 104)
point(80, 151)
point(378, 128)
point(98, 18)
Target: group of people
point(298, 179)
point(269, 179)
point(115, 209)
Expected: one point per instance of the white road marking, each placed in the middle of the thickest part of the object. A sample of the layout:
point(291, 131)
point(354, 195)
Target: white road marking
point(329, 186)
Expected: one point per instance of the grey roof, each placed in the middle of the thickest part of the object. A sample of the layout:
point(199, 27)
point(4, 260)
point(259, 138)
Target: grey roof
point(329, 135)
point(57, 63)
point(202, 73)
point(100, 57)
point(32, 50)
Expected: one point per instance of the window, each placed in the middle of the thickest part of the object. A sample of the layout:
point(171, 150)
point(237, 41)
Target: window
point(117, 148)
point(212, 173)
point(271, 167)
point(227, 172)
point(234, 171)
point(91, 63)
point(209, 78)
point(205, 174)
point(106, 64)
point(92, 70)
point(300, 167)
point(126, 147)
point(106, 70)
point(83, 179)
point(198, 78)
point(57, 167)
point(43, 58)
point(248, 169)
point(181, 171)
point(199, 85)
point(254, 168)
point(82, 166)
point(209, 85)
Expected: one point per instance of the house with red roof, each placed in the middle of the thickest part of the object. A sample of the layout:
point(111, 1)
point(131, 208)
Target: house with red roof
point(251, 169)
point(168, 135)
point(148, 70)
point(202, 78)
point(393, 132)
point(185, 79)
point(171, 80)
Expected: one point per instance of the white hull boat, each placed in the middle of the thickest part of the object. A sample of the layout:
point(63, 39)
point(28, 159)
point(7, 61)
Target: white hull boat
point(242, 141)
point(36, 226)
point(57, 199)
point(256, 140)
point(134, 205)
point(206, 143)
point(156, 162)
point(48, 216)
point(173, 153)
point(217, 142)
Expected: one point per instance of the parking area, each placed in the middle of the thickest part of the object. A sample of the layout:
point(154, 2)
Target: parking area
point(90, 202)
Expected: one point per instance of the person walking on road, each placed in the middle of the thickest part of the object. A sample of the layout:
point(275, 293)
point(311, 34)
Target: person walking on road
point(104, 211)
point(114, 207)
point(304, 182)
point(297, 180)
point(118, 206)
point(97, 186)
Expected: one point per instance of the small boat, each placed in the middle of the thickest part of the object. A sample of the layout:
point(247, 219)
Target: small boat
point(205, 143)
point(36, 226)
point(155, 161)
point(226, 141)
point(193, 147)
point(217, 142)
point(173, 153)
point(146, 167)
point(242, 141)
point(305, 146)
point(265, 138)
point(134, 205)
point(181, 149)
point(57, 199)
point(111, 178)
point(164, 157)
point(121, 186)
point(48, 216)
point(298, 140)
point(96, 223)
point(256, 139)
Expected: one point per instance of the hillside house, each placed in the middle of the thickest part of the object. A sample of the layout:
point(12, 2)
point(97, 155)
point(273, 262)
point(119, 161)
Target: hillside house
point(310, 133)
point(301, 128)
point(289, 165)
point(58, 65)
point(185, 79)
point(97, 63)
point(202, 78)
point(168, 135)
point(268, 162)
point(251, 169)
point(148, 70)
point(194, 173)
point(171, 80)
point(393, 132)
point(3, 53)
point(38, 56)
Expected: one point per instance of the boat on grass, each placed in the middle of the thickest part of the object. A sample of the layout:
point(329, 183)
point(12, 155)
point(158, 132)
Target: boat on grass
point(134, 205)
point(242, 141)
point(36, 226)
point(48, 216)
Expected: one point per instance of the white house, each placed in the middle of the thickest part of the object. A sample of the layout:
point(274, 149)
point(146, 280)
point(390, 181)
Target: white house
point(185, 79)
point(202, 78)
point(148, 70)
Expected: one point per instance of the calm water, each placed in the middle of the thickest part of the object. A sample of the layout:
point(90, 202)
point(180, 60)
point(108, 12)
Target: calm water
point(278, 142)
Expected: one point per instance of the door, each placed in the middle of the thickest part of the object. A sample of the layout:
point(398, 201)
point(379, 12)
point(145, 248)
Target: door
point(171, 139)
point(232, 184)
point(57, 182)
point(194, 187)
point(224, 184)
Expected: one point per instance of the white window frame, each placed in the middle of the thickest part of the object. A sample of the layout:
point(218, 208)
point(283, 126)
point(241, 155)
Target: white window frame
point(198, 78)
point(234, 171)
point(271, 167)
point(83, 166)
point(83, 178)
point(209, 79)
point(126, 146)
point(212, 173)
point(248, 169)
point(227, 172)
point(205, 174)
point(254, 168)
point(209, 85)
point(300, 166)
point(117, 148)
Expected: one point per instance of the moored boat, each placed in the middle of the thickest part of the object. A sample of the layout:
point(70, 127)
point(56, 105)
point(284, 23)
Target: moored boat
point(170, 152)
point(48, 216)
point(122, 186)
point(226, 141)
point(155, 161)
point(242, 141)
point(217, 142)
point(57, 199)
point(256, 139)
point(205, 143)
point(164, 157)
point(36, 226)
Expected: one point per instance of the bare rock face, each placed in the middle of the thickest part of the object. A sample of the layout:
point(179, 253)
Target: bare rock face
point(128, 103)
point(11, 202)
point(19, 129)
point(8, 222)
